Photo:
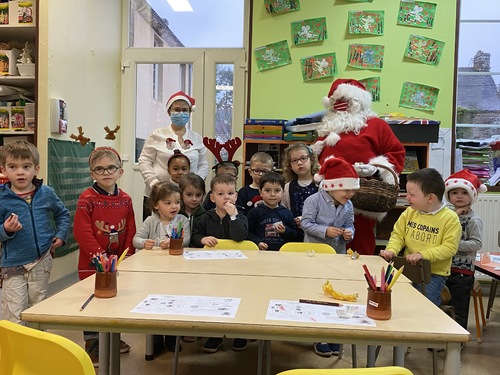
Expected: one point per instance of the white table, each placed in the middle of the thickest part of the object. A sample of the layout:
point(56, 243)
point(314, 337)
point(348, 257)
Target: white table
point(406, 327)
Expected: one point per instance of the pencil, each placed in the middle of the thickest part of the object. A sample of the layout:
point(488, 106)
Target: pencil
point(87, 302)
point(324, 303)
point(121, 257)
point(393, 281)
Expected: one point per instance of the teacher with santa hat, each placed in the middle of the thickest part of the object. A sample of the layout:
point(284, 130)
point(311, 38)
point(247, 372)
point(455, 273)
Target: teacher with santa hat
point(351, 130)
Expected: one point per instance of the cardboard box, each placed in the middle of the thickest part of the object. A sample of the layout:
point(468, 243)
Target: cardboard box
point(8, 62)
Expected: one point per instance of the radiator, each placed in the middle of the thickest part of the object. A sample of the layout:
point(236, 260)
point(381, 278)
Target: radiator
point(488, 209)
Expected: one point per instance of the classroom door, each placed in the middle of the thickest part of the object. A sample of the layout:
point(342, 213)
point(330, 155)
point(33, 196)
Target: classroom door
point(214, 77)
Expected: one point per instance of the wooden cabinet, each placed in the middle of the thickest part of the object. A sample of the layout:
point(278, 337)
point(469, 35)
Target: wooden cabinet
point(18, 26)
point(273, 148)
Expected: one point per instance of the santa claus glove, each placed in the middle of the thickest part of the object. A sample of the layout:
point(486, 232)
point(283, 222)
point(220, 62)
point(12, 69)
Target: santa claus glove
point(365, 170)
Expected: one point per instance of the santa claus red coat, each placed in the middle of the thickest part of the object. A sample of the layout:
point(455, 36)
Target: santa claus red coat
point(352, 131)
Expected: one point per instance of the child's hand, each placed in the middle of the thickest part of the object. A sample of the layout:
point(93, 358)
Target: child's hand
point(414, 258)
point(165, 244)
point(347, 235)
point(230, 209)
point(56, 242)
point(297, 221)
point(263, 246)
point(149, 244)
point(209, 241)
point(334, 232)
point(463, 211)
point(386, 254)
point(280, 227)
point(12, 224)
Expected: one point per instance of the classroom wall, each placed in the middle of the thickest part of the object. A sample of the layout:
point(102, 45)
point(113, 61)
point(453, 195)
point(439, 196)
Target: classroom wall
point(281, 93)
point(79, 61)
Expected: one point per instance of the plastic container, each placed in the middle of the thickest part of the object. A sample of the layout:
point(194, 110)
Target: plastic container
point(378, 305)
point(105, 285)
point(176, 246)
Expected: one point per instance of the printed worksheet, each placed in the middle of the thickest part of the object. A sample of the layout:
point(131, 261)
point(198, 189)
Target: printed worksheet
point(302, 312)
point(214, 254)
point(220, 307)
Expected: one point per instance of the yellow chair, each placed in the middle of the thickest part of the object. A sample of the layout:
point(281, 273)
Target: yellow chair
point(234, 245)
point(302, 247)
point(388, 370)
point(27, 351)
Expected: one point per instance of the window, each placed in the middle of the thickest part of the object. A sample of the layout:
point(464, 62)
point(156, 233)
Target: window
point(478, 88)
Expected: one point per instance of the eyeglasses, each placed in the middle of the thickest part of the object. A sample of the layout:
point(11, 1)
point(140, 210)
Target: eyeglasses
point(302, 159)
point(100, 170)
point(259, 171)
point(179, 110)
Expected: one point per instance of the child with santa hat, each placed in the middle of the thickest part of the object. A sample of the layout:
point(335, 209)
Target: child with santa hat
point(461, 191)
point(328, 216)
point(351, 130)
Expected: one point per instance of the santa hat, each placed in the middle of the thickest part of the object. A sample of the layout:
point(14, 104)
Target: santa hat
point(467, 180)
point(337, 174)
point(181, 96)
point(348, 89)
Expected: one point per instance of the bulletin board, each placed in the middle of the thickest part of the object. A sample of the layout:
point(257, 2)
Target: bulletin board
point(68, 174)
point(416, 40)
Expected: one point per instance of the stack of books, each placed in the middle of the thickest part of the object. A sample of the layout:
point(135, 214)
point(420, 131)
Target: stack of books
point(262, 129)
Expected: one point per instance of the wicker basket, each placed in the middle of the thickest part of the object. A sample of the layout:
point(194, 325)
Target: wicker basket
point(375, 195)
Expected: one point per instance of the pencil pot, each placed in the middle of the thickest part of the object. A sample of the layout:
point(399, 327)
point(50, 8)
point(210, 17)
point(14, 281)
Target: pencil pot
point(378, 305)
point(105, 285)
point(176, 246)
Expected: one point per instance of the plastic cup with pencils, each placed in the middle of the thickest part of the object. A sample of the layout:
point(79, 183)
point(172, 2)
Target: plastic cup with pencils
point(176, 241)
point(378, 303)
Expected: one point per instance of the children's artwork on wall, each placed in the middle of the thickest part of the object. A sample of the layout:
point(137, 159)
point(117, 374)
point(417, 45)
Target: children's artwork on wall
point(417, 13)
point(418, 96)
point(281, 6)
point(307, 31)
point(318, 66)
point(366, 22)
point(372, 85)
point(366, 56)
point(273, 55)
point(425, 50)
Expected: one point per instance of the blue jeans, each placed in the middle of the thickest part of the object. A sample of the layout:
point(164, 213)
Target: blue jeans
point(434, 288)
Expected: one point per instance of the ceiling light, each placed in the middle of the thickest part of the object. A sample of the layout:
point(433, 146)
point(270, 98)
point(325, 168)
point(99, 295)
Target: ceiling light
point(180, 5)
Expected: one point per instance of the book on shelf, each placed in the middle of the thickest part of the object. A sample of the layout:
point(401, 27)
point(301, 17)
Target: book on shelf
point(264, 121)
point(263, 137)
point(277, 128)
point(411, 162)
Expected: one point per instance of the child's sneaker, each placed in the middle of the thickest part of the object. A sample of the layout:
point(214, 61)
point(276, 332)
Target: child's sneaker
point(335, 348)
point(92, 349)
point(124, 347)
point(322, 349)
point(212, 345)
point(239, 344)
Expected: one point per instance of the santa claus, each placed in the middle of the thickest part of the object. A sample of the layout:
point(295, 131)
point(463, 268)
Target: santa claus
point(351, 130)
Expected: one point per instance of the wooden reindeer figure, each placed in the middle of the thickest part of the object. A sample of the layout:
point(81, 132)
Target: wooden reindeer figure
point(80, 138)
point(110, 134)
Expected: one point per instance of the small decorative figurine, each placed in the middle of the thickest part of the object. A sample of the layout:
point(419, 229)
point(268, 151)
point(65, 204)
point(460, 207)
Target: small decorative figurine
point(110, 134)
point(80, 138)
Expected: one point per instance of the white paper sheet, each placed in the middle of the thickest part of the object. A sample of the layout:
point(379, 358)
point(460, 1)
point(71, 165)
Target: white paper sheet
point(221, 307)
point(302, 312)
point(214, 254)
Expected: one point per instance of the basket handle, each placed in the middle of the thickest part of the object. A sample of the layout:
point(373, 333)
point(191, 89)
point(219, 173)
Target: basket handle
point(396, 179)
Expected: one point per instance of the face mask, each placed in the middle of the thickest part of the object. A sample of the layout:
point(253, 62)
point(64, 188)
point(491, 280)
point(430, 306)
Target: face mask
point(341, 105)
point(179, 119)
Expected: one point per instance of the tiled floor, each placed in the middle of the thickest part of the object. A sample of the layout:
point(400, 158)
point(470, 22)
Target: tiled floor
point(477, 358)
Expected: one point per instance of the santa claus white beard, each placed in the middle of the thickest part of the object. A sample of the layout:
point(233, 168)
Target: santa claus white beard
point(343, 122)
